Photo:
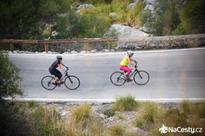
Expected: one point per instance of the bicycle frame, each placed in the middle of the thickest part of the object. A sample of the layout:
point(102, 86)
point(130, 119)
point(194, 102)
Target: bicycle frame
point(65, 74)
point(135, 71)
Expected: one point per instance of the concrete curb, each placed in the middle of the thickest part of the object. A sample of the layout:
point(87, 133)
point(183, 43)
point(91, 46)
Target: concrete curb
point(52, 100)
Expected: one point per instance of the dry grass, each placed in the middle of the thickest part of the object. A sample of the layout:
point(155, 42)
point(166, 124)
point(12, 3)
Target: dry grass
point(150, 113)
point(127, 103)
point(117, 130)
point(41, 120)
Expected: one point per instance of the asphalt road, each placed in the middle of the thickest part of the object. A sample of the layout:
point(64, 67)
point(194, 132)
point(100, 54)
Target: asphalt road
point(174, 74)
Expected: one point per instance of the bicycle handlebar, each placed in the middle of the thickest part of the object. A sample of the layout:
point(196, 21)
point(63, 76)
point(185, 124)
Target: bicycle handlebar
point(135, 63)
point(67, 68)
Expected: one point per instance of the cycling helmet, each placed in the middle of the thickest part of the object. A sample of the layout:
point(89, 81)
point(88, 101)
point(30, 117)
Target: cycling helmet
point(130, 53)
point(59, 58)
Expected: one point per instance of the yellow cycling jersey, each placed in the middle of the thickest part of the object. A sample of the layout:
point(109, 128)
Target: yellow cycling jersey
point(124, 61)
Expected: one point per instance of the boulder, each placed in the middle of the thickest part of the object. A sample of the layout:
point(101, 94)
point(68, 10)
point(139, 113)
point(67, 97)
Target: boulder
point(82, 52)
point(74, 52)
point(149, 7)
point(128, 33)
point(150, 2)
point(84, 7)
point(66, 52)
point(113, 15)
point(132, 5)
point(93, 51)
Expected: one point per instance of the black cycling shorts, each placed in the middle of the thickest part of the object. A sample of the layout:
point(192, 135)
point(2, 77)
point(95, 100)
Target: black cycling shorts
point(56, 73)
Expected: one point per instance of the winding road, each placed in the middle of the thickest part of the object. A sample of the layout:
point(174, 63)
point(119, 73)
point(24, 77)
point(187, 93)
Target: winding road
point(175, 74)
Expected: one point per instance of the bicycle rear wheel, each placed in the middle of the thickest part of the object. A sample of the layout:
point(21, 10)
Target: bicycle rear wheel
point(72, 82)
point(116, 78)
point(141, 77)
point(47, 82)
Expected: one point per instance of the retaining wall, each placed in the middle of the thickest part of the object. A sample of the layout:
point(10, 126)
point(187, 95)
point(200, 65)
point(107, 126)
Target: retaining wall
point(163, 42)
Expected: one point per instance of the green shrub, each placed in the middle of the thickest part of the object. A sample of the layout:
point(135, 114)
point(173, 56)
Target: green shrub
point(32, 104)
point(192, 17)
point(9, 79)
point(127, 103)
point(109, 113)
point(13, 120)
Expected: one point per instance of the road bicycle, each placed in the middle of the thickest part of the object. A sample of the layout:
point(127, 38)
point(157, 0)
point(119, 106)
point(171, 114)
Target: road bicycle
point(70, 81)
point(140, 77)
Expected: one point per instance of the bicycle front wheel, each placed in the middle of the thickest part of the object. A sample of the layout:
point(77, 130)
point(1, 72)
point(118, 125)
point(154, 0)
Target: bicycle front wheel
point(72, 82)
point(117, 79)
point(141, 77)
point(47, 82)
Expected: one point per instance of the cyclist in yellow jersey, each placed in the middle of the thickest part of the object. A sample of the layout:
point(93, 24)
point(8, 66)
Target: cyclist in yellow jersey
point(124, 64)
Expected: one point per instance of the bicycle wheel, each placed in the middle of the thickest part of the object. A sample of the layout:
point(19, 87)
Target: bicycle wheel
point(72, 82)
point(116, 78)
point(47, 82)
point(141, 77)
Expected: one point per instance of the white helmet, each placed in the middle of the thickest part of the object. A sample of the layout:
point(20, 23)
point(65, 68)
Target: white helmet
point(130, 53)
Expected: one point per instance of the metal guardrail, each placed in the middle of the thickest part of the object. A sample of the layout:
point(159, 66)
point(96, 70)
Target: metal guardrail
point(46, 43)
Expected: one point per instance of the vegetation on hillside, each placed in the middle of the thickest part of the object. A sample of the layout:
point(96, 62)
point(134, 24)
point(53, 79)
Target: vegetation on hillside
point(174, 17)
point(39, 18)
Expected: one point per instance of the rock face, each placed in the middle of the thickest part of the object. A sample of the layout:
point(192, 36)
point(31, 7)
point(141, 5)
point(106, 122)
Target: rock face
point(126, 32)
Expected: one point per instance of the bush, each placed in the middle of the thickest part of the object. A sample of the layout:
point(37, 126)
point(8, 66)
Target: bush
point(46, 122)
point(9, 79)
point(192, 17)
point(127, 103)
point(109, 113)
point(13, 120)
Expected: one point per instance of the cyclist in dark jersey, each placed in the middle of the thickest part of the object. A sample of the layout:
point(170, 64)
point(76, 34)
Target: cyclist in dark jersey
point(54, 71)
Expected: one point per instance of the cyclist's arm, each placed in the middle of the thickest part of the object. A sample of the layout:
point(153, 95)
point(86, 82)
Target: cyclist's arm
point(131, 61)
point(61, 65)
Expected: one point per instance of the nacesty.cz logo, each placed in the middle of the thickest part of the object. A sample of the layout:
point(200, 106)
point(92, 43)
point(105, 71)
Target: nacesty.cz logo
point(164, 129)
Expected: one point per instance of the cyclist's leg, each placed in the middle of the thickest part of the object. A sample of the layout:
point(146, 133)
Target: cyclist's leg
point(128, 75)
point(57, 75)
point(126, 69)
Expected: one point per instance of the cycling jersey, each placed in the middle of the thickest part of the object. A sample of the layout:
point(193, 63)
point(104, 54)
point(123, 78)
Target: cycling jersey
point(125, 61)
point(54, 71)
point(54, 65)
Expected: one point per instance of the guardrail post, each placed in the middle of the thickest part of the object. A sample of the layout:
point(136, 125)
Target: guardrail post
point(46, 47)
point(11, 46)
